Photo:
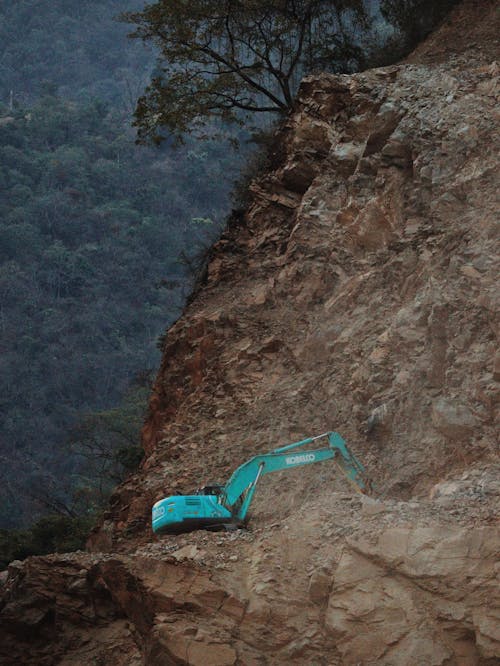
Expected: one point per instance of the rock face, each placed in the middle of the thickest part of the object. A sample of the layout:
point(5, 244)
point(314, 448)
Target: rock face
point(420, 594)
point(358, 292)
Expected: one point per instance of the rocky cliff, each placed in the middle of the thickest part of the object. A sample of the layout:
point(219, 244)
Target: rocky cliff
point(357, 292)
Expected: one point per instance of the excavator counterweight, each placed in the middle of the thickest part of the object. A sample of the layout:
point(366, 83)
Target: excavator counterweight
point(218, 506)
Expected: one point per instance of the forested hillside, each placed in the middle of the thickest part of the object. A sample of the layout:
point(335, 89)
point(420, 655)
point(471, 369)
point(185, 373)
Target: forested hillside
point(77, 45)
point(93, 231)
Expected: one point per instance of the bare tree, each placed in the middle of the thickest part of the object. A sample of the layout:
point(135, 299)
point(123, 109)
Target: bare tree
point(230, 58)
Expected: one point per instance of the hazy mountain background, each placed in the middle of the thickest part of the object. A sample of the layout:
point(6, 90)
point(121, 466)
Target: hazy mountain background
point(92, 234)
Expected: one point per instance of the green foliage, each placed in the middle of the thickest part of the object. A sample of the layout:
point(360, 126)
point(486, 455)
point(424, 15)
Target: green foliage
point(92, 228)
point(51, 534)
point(267, 155)
point(106, 442)
point(71, 46)
point(105, 448)
point(234, 57)
point(129, 457)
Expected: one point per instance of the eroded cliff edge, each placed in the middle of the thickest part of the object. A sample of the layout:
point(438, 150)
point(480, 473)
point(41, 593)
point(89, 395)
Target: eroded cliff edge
point(358, 292)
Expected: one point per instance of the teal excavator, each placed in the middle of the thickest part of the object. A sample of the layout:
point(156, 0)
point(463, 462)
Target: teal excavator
point(226, 506)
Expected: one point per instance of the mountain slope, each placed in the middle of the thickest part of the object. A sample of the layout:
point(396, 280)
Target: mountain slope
point(356, 292)
point(359, 290)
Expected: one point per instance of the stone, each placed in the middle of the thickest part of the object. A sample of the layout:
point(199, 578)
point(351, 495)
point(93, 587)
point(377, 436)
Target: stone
point(397, 151)
point(385, 123)
point(371, 507)
point(445, 489)
point(470, 272)
point(379, 416)
point(453, 419)
point(372, 229)
point(299, 175)
point(379, 354)
point(203, 654)
point(319, 586)
point(189, 552)
point(496, 367)
point(345, 157)
point(487, 626)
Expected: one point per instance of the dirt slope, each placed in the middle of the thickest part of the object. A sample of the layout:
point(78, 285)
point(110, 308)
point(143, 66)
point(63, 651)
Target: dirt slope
point(358, 292)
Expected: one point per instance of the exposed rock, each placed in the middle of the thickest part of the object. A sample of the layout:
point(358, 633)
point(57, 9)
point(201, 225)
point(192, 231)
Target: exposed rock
point(496, 367)
point(319, 586)
point(382, 126)
point(453, 419)
point(189, 552)
point(370, 506)
point(420, 595)
point(345, 157)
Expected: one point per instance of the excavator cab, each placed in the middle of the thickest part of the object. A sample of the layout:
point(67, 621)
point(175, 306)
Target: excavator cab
point(211, 489)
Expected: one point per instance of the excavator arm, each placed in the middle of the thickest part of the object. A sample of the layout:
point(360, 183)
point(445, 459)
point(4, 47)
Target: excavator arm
point(239, 490)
